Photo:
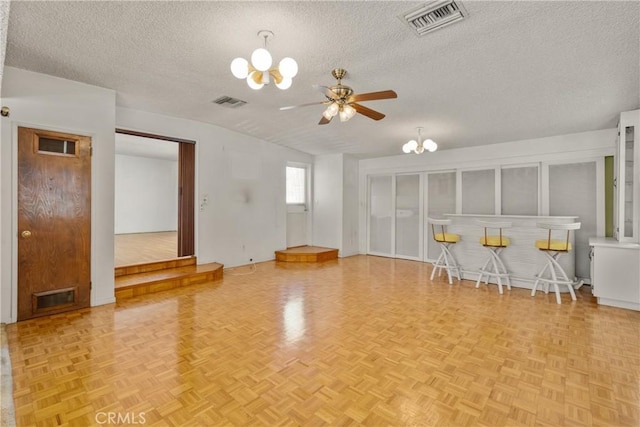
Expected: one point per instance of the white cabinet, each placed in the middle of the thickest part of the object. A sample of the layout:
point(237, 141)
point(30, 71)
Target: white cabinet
point(627, 180)
point(615, 269)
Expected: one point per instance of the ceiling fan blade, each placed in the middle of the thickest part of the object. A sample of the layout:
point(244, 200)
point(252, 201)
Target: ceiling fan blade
point(326, 91)
point(372, 114)
point(290, 107)
point(371, 96)
point(324, 120)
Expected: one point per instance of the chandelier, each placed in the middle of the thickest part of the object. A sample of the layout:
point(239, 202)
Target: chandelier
point(259, 72)
point(419, 146)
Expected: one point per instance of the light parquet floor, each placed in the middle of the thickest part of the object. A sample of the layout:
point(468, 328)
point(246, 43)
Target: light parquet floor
point(359, 341)
point(137, 248)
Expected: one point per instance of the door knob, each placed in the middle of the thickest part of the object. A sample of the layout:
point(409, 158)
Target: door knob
point(26, 234)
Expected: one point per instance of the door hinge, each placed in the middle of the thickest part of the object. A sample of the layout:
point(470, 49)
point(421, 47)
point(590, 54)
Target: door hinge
point(91, 150)
point(90, 285)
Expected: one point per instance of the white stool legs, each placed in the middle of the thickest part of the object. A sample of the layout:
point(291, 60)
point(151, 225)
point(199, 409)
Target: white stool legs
point(556, 277)
point(495, 268)
point(446, 261)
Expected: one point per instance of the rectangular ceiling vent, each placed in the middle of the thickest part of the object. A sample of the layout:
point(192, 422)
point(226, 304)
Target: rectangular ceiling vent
point(433, 16)
point(229, 102)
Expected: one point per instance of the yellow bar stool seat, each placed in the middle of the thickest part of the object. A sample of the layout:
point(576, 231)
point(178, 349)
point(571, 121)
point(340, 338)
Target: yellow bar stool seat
point(494, 267)
point(445, 261)
point(552, 273)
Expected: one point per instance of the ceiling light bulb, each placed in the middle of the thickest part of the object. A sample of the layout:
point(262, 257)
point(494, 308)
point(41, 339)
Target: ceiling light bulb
point(419, 149)
point(252, 83)
point(349, 111)
point(240, 68)
point(413, 144)
point(343, 115)
point(261, 59)
point(333, 109)
point(430, 145)
point(327, 115)
point(285, 83)
point(288, 67)
point(406, 149)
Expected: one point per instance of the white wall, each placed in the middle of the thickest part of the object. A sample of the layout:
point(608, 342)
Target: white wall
point(335, 203)
point(244, 180)
point(146, 194)
point(45, 102)
point(327, 201)
point(350, 206)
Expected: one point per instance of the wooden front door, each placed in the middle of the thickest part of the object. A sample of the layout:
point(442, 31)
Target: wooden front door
point(54, 222)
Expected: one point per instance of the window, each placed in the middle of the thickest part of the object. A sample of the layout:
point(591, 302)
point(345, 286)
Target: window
point(296, 185)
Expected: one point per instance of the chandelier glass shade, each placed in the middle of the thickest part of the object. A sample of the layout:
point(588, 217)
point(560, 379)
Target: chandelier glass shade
point(419, 146)
point(260, 71)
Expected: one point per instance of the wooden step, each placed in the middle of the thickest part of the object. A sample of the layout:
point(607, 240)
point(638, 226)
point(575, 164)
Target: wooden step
point(307, 254)
point(133, 285)
point(155, 266)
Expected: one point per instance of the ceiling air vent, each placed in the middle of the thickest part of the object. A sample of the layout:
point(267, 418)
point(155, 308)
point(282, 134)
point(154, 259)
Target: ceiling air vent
point(229, 102)
point(433, 16)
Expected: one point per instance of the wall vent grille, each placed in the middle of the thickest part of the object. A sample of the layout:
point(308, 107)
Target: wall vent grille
point(229, 102)
point(433, 16)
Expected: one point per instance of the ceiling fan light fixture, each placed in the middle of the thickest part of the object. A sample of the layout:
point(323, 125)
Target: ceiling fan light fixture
point(331, 111)
point(259, 72)
point(346, 112)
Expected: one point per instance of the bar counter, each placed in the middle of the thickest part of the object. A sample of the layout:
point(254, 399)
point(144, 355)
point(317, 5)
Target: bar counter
point(521, 258)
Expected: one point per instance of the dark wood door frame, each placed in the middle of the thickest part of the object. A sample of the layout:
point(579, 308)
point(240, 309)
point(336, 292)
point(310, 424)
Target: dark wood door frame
point(186, 188)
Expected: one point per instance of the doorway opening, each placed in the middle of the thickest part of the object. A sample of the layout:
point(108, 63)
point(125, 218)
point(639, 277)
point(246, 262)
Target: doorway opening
point(154, 198)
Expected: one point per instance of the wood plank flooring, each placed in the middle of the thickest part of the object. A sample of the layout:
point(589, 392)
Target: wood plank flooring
point(307, 254)
point(358, 341)
point(145, 247)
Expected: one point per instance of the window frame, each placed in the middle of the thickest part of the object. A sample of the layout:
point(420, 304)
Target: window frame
point(299, 207)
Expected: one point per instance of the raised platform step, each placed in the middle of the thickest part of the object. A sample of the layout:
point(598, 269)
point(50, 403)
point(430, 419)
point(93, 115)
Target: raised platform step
point(133, 285)
point(307, 254)
point(155, 266)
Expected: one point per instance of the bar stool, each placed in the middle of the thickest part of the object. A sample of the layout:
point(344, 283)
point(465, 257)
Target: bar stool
point(445, 260)
point(552, 250)
point(494, 267)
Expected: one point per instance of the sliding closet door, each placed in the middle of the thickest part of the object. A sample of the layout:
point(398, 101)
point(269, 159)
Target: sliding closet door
point(381, 227)
point(572, 192)
point(441, 199)
point(479, 192)
point(408, 217)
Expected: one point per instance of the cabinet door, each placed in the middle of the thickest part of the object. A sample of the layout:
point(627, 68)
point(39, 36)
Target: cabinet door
point(627, 178)
point(616, 274)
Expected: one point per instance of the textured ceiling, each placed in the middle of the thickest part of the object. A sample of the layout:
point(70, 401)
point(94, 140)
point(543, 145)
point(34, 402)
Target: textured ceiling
point(512, 70)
